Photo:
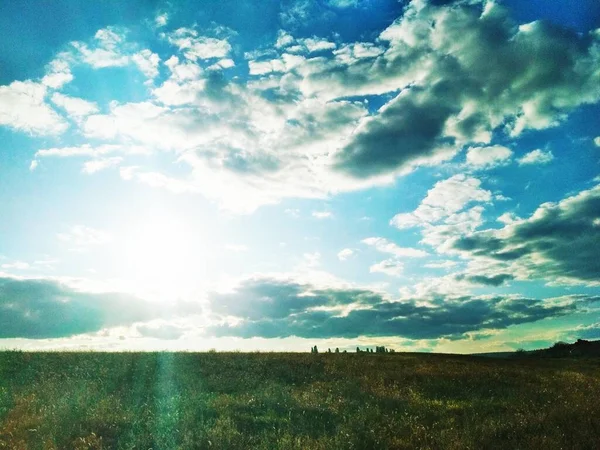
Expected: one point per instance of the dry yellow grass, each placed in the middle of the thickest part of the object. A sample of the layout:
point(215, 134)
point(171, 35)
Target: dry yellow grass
point(296, 401)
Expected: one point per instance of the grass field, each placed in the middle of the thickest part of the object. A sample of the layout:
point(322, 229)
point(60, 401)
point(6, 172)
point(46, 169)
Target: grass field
point(299, 401)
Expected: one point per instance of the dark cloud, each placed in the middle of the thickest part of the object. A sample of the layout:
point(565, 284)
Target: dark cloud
point(467, 71)
point(257, 298)
point(48, 309)
point(494, 280)
point(587, 331)
point(409, 127)
point(41, 308)
point(242, 162)
point(273, 308)
point(559, 241)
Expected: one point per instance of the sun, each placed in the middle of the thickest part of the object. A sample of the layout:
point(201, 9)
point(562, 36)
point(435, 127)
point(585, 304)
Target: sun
point(163, 257)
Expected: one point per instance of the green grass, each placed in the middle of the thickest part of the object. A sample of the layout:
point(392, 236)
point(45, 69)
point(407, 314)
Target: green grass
point(296, 401)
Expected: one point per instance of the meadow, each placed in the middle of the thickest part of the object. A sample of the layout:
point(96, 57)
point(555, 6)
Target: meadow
point(296, 401)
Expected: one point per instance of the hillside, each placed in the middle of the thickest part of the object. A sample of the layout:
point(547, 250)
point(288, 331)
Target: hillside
point(580, 348)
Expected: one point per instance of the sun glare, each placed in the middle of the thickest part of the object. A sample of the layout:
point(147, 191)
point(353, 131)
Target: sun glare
point(163, 257)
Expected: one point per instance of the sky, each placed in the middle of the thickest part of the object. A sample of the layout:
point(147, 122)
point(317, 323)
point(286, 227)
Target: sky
point(423, 175)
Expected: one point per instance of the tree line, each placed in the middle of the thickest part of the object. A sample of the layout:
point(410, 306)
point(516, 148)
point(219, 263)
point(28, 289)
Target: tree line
point(378, 349)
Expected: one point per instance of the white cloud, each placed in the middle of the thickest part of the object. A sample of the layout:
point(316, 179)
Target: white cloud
point(241, 167)
point(446, 198)
point(196, 47)
point(148, 62)
point(182, 71)
point(447, 287)
point(75, 107)
point(536, 157)
point(441, 265)
point(264, 67)
point(48, 263)
point(345, 254)
point(440, 235)
point(352, 53)
point(23, 108)
point(322, 214)
point(56, 80)
point(287, 132)
point(508, 218)
point(226, 63)
point(597, 141)
point(108, 37)
point(385, 246)
point(173, 93)
point(58, 72)
point(158, 180)
point(16, 265)
point(96, 165)
point(488, 157)
point(285, 63)
point(83, 237)
point(161, 20)
point(33, 165)
point(128, 173)
point(135, 120)
point(312, 259)
point(444, 214)
point(391, 267)
point(315, 44)
point(283, 39)
point(85, 150)
point(106, 51)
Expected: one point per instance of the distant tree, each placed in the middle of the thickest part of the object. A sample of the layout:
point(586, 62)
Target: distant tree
point(328, 350)
point(337, 350)
point(315, 349)
point(357, 349)
point(345, 351)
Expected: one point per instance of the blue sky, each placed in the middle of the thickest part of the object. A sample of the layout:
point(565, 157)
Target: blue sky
point(423, 175)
